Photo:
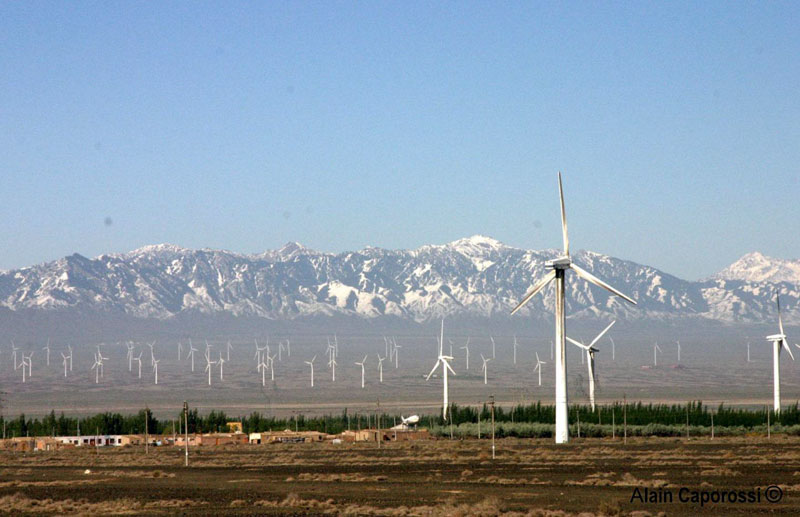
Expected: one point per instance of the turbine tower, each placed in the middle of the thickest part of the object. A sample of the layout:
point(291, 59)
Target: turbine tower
point(310, 363)
point(444, 361)
point(538, 367)
point(558, 269)
point(485, 368)
point(590, 350)
point(361, 364)
point(778, 342)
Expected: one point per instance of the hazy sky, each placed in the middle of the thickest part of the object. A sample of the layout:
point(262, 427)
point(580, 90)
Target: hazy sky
point(677, 127)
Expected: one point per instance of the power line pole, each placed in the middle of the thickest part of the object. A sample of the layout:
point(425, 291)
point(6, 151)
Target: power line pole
point(491, 402)
point(186, 430)
point(146, 431)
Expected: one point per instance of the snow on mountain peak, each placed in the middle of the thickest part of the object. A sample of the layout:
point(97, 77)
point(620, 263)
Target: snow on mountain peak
point(757, 267)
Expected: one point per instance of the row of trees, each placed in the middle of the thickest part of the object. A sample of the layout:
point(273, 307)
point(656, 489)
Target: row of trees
point(636, 414)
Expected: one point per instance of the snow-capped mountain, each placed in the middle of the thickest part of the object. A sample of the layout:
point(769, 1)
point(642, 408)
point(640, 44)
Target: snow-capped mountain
point(475, 276)
point(755, 267)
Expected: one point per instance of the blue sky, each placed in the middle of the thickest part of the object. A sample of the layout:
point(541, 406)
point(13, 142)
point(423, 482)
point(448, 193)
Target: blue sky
point(676, 126)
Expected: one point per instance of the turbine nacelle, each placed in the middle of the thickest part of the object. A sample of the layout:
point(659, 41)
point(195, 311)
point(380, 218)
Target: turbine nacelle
point(559, 263)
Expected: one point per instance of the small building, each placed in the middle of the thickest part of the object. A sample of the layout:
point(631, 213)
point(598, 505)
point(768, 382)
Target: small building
point(287, 436)
point(106, 440)
point(234, 427)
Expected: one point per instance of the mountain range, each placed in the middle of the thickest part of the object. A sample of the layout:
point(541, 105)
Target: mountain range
point(475, 276)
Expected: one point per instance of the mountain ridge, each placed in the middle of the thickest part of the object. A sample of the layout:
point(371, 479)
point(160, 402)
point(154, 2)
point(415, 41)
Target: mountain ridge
point(473, 276)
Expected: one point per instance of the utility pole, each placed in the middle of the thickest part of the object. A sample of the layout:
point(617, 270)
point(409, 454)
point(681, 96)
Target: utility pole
point(712, 425)
point(480, 409)
point(491, 402)
point(613, 423)
point(687, 420)
point(146, 430)
point(768, 427)
point(186, 430)
point(625, 418)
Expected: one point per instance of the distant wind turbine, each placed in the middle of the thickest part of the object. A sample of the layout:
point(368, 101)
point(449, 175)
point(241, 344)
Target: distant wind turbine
point(778, 342)
point(444, 360)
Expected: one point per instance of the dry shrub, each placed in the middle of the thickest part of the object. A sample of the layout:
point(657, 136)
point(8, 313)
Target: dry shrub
point(237, 503)
point(611, 509)
point(720, 471)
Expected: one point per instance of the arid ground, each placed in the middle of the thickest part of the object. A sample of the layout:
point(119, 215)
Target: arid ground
point(442, 477)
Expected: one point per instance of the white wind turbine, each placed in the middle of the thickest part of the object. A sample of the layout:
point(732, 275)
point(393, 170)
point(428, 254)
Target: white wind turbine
point(129, 356)
point(493, 350)
point(228, 349)
point(221, 363)
point(190, 355)
point(262, 367)
point(396, 355)
point(69, 347)
point(271, 366)
point(332, 362)
point(444, 360)
point(155, 369)
point(152, 353)
point(361, 364)
point(310, 363)
point(515, 350)
point(96, 367)
point(138, 359)
point(613, 349)
point(209, 362)
point(65, 361)
point(288, 348)
point(538, 367)
point(180, 349)
point(280, 351)
point(47, 350)
point(558, 269)
point(590, 351)
point(778, 342)
point(380, 368)
point(748, 351)
point(466, 351)
point(656, 351)
point(30, 363)
point(14, 354)
point(679, 351)
point(485, 368)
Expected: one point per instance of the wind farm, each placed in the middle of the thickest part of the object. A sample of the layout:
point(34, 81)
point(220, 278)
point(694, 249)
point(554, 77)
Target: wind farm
point(386, 259)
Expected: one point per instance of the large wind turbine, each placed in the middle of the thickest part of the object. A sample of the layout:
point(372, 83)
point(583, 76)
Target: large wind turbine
point(444, 360)
point(361, 364)
point(558, 269)
point(590, 350)
point(310, 363)
point(778, 342)
point(485, 369)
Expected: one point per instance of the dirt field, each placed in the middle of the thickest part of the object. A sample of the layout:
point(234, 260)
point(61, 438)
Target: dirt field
point(528, 477)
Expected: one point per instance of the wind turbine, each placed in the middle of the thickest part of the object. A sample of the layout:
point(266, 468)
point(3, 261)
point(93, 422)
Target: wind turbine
point(396, 355)
point(558, 269)
point(47, 349)
point(380, 368)
point(485, 368)
point(332, 362)
point(288, 348)
point(190, 355)
point(271, 367)
point(679, 351)
point(228, 349)
point(748, 351)
point(139, 360)
point(129, 356)
point(466, 350)
point(656, 350)
point(493, 351)
point(155, 369)
point(310, 363)
point(209, 362)
point(280, 351)
point(221, 363)
point(538, 367)
point(262, 367)
point(444, 360)
point(778, 342)
point(515, 350)
point(69, 347)
point(96, 368)
point(14, 354)
point(590, 351)
point(65, 358)
point(180, 349)
point(362, 369)
point(613, 349)
point(152, 353)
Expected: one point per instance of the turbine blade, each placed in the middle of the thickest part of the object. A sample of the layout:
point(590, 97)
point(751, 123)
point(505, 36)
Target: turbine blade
point(433, 369)
point(786, 346)
point(596, 281)
point(563, 217)
point(780, 320)
point(602, 333)
point(449, 368)
point(536, 288)
point(578, 343)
